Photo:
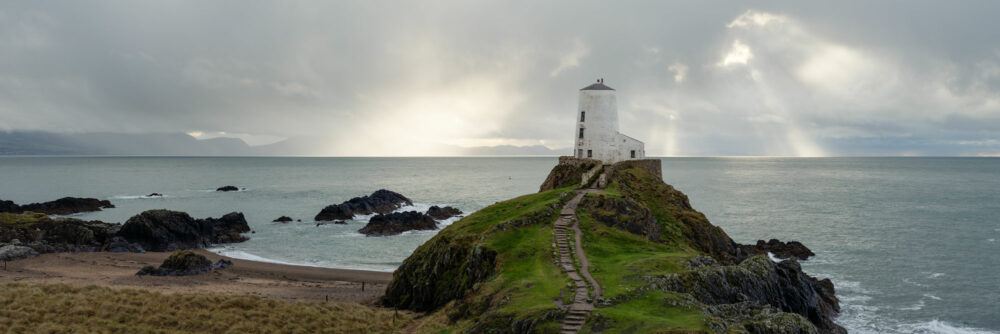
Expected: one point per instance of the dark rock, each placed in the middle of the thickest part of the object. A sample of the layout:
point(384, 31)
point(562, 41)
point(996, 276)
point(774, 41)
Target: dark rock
point(398, 222)
point(779, 249)
point(184, 263)
point(440, 213)
point(299, 220)
point(62, 206)
point(439, 271)
point(622, 213)
point(758, 279)
point(568, 172)
point(120, 245)
point(9, 206)
point(47, 235)
point(164, 230)
point(283, 219)
point(227, 188)
point(155, 195)
point(381, 201)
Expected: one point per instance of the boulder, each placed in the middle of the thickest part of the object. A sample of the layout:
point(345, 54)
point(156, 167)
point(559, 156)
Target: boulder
point(14, 252)
point(791, 249)
point(398, 222)
point(164, 230)
point(283, 219)
point(228, 228)
point(381, 201)
point(62, 206)
point(227, 188)
point(155, 195)
point(440, 213)
point(184, 263)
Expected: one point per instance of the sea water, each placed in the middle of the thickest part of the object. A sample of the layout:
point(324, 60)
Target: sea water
point(910, 243)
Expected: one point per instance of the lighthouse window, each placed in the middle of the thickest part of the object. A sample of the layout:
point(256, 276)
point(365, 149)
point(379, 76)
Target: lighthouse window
point(590, 153)
point(583, 116)
point(633, 154)
point(581, 133)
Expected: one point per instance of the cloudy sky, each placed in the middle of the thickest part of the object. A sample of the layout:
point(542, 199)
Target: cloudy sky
point(388, 78)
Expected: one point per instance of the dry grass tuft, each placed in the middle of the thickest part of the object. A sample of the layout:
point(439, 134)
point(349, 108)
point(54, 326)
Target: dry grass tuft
point(61, 308)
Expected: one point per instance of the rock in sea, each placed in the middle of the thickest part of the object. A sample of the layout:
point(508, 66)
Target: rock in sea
point(381, 201)
point(62, 206)
point(165, 230)
point(283, 219)
point(440, 213)
point(227, 188)
point(398, 222)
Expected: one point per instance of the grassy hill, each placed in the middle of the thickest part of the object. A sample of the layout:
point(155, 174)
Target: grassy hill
point(663, 268)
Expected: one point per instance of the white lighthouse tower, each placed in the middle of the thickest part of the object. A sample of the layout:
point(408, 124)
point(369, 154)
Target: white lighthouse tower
point(596, 134)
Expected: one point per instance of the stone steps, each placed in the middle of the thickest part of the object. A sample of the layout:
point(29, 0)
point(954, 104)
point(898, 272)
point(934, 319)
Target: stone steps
point(576, 315)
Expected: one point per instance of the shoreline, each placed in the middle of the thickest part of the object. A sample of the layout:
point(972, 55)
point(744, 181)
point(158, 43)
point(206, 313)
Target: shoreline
point(246, 277)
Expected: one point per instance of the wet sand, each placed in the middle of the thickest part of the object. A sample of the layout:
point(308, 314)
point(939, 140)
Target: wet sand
point(278, 281)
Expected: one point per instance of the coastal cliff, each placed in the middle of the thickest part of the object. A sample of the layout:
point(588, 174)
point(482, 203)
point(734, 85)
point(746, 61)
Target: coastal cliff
point(662, 266)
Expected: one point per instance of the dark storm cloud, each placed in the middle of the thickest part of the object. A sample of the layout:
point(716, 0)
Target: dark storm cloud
point(723, 78)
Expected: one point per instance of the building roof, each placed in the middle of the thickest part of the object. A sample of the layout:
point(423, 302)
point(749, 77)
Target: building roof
point(597, 86)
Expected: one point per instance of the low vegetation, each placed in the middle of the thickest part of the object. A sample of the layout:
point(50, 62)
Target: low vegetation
point(60, 308)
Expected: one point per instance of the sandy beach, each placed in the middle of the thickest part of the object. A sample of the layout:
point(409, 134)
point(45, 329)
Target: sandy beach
point(278, 281)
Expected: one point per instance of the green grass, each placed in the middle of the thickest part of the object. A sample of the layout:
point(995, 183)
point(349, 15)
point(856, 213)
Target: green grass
point(617, 256)
point(26, 218)
point(61, 308)
point(480, 221)
point(650, 314)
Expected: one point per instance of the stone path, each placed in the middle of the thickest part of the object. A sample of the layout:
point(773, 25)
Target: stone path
point(582, 280)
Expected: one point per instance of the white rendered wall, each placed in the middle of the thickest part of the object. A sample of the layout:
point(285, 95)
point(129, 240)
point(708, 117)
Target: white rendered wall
point(600, 125)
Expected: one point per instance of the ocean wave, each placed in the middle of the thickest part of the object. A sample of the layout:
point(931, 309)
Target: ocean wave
point(936, 326)
point(932, 296)
point(935, 275)
point(120, 197)
point(238, 254)
point(916, 306)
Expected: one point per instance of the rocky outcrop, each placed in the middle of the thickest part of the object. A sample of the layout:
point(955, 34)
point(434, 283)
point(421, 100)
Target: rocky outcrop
point(184, 263)
point(622, 213)
point(438, 272)
point(791, 249)
point(164, 230)
point(381, 201)
point(674, 209)
point(442, 213)
point(155, 195)
point(759, 280)
point(398, 222)
point(227, 188)
point(9, 206)
point(46, 235)
point(568, 172)
point(282, 219)
point(62, 206)
point(227, 229)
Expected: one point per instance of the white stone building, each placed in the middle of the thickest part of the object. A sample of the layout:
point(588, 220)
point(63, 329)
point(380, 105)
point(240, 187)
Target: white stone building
point(596, 132)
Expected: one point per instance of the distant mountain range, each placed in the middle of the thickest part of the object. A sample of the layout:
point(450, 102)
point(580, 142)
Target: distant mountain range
point(179, 144)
